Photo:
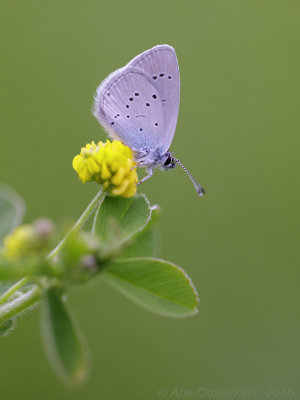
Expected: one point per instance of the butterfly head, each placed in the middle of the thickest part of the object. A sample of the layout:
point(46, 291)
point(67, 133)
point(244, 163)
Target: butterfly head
point(170, 161)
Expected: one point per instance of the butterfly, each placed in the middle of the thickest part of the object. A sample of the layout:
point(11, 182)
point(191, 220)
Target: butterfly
point(138, 105)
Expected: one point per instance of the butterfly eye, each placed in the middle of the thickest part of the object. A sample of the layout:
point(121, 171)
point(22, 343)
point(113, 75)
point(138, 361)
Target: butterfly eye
point(168, 161)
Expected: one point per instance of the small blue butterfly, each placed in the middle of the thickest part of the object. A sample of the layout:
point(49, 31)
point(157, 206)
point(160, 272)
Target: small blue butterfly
point(138, 105)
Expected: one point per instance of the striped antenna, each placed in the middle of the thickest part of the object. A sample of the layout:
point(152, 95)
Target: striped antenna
point(197, 185)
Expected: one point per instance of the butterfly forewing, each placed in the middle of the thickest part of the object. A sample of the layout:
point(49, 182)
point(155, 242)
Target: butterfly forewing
point(130, 108)
point(161, 66)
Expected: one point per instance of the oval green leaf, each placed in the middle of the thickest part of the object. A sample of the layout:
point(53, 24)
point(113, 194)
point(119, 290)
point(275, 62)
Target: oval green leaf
point(160, 286)
point(63, 340)
point(144, 243)
point(121, 218)
point(12, 210)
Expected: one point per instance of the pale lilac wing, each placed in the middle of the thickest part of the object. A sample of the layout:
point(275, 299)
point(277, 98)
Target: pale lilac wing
point(129, 107)
point(161, 66)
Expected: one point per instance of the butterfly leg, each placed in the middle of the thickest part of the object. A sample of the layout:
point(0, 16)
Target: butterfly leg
point(150, 173)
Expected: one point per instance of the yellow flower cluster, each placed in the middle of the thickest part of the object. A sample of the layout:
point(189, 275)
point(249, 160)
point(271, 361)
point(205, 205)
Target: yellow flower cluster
point(111, 164)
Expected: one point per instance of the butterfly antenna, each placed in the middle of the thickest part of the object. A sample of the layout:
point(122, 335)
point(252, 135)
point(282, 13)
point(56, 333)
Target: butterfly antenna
point(197, 185)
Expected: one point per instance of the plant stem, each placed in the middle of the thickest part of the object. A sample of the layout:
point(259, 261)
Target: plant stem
point(20, 304)
point(28, 299)
point(82, 219)
point(13, 289)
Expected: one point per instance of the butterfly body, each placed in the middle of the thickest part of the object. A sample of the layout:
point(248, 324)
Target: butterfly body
point(139, 103)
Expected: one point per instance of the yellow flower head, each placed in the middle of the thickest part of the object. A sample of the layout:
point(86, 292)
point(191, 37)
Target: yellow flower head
point(111, 164)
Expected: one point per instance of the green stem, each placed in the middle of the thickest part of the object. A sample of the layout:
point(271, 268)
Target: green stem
point(28, 299)
point(13, 289)
point(82, 219)
point(20, 304)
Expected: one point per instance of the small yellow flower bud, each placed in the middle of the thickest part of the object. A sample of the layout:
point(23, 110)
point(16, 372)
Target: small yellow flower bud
point(110, 164)
point(28, 240)
point(21, 242)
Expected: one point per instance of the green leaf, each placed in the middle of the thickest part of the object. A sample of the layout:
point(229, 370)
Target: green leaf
point(159, 286)
point(143, 246)
point(121, 217)
point(144, 242)
point(63, 340)
point(12, 210)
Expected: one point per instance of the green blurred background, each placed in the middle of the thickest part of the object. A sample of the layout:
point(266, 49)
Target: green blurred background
point(238, 133)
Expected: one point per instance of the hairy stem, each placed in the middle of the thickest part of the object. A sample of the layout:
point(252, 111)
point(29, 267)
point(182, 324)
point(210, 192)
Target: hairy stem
point(98, 199)
point(20, 304)
point(5, 296)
